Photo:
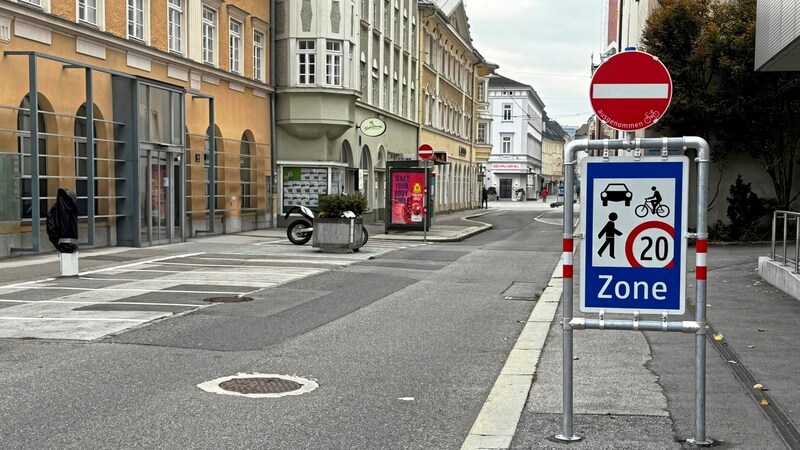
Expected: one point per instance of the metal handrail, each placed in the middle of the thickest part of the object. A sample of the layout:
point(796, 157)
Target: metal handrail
point(786, 216)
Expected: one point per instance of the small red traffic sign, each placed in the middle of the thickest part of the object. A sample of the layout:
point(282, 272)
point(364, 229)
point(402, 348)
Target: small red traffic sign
point(630, 91)
point(425, 151)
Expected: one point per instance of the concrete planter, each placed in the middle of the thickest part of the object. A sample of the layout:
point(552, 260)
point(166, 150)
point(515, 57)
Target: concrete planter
point(337, 235)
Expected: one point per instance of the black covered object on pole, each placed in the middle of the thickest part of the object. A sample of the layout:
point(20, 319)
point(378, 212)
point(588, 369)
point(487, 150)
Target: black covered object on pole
point(62, 222)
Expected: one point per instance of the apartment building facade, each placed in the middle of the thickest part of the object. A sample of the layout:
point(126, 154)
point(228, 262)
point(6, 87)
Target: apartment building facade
point(346, 97)
point(515, 163)
point(553, 142)
point(452, 98)
point(155, 112)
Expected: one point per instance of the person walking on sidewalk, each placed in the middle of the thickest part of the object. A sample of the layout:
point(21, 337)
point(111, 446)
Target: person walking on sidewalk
point(543, 194)
point(484, 198)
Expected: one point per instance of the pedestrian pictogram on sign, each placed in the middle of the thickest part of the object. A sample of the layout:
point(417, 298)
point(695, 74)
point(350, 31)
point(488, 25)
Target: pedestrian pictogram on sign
point(634, 227)
point(630, 91)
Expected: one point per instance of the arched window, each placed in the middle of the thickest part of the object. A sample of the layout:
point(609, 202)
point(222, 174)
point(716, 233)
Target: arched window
point(219, 149)
point(81, 162)
point(245, 167)
point(24, 148)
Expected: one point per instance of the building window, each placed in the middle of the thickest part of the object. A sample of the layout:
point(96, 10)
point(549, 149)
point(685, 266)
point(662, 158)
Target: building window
point(82, 163)
point(506, 144)
point(136, 19)
point(245, 155)
point(376, 16)
point(375, 87)
point(258, 55)
point(87, 11)
point(235, 42)
point(396, 96)
point(175, 25)
point(507, 112)
point(387, 16)
point(481, 138)
point(32, 2)
point(26, 166)
point(306, 61)
point(481, 91)
point(333, 63)
point(363, 80)
point(209, 35)
point(386, 85)
point(413, 107)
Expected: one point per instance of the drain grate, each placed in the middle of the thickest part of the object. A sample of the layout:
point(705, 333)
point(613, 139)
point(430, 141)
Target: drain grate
point(232, 299)
point(259, 385)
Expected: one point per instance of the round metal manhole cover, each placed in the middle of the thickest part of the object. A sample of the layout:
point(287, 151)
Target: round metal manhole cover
point(258, 385)
point(231, 299)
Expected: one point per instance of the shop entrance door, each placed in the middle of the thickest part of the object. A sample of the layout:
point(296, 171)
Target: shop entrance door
point(505, 187)
point(161, 191)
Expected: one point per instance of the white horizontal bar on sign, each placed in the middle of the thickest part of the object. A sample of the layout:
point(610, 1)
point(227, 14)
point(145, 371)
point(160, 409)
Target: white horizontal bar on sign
point(630, 90)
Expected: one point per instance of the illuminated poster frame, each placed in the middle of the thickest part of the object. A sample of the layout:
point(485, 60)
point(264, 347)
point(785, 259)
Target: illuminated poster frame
point(405, 204)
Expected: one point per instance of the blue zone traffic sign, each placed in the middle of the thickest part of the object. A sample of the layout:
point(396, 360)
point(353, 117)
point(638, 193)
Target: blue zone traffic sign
point(633, 251)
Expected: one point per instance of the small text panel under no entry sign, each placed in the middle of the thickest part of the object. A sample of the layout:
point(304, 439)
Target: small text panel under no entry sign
point(633, 254)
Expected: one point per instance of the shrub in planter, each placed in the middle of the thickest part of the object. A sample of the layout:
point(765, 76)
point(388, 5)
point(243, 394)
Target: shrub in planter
point(335, 205)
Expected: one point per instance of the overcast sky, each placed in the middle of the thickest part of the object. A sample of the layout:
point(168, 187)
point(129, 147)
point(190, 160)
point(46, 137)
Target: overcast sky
point(544, 43)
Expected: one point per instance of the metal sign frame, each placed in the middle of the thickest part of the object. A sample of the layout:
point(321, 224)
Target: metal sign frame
point(619, 213)
point(697, 327)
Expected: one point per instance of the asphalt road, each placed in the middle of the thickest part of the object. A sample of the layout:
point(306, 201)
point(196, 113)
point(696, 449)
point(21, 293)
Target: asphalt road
point(405, 345)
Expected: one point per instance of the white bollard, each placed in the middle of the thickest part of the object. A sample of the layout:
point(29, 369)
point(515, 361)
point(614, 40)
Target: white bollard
point(69, 264)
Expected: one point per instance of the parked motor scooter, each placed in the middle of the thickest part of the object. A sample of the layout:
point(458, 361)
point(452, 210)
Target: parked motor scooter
point(300, 231)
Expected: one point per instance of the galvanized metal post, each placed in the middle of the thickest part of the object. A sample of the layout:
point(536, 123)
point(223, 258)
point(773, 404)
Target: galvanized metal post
point(703, 161)
point(796, 242)
point(774, 229)
point(570, 152)
point(90, 156)
point(33, 110)
point(785, 229)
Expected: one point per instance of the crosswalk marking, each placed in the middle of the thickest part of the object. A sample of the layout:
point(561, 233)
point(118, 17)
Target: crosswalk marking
point(243, 267)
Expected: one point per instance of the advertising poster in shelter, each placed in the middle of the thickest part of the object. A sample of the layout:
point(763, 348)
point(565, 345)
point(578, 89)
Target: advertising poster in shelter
point(407, 197)
point(302, 186)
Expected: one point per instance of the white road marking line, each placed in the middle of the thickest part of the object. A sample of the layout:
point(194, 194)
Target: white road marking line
point(292, 269)
point(75, 319)
point(65, 302)
point(18, 285)
point(185, 255)
point(134, 290)
point(198, 280)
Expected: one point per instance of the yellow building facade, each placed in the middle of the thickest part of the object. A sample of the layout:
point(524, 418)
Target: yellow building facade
point(161, 76)
point(451, 72)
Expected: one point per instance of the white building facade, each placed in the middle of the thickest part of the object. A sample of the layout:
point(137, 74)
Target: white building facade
point(338, 64)
point(514, 166)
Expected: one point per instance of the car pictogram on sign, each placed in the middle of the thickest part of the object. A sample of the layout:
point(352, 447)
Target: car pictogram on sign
point(616, 192)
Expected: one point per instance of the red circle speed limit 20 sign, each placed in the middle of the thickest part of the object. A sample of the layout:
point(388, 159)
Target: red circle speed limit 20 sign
point(631, 91)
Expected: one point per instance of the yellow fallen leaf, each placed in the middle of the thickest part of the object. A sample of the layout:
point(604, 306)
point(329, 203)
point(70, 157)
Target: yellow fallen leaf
point(764, 402)
point(719, 337)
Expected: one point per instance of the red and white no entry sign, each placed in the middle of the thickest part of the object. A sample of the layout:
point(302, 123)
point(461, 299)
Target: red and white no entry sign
point(425, 151)
point(630, 91)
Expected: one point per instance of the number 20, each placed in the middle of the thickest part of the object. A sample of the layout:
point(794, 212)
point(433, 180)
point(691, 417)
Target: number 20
point(661, 248)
